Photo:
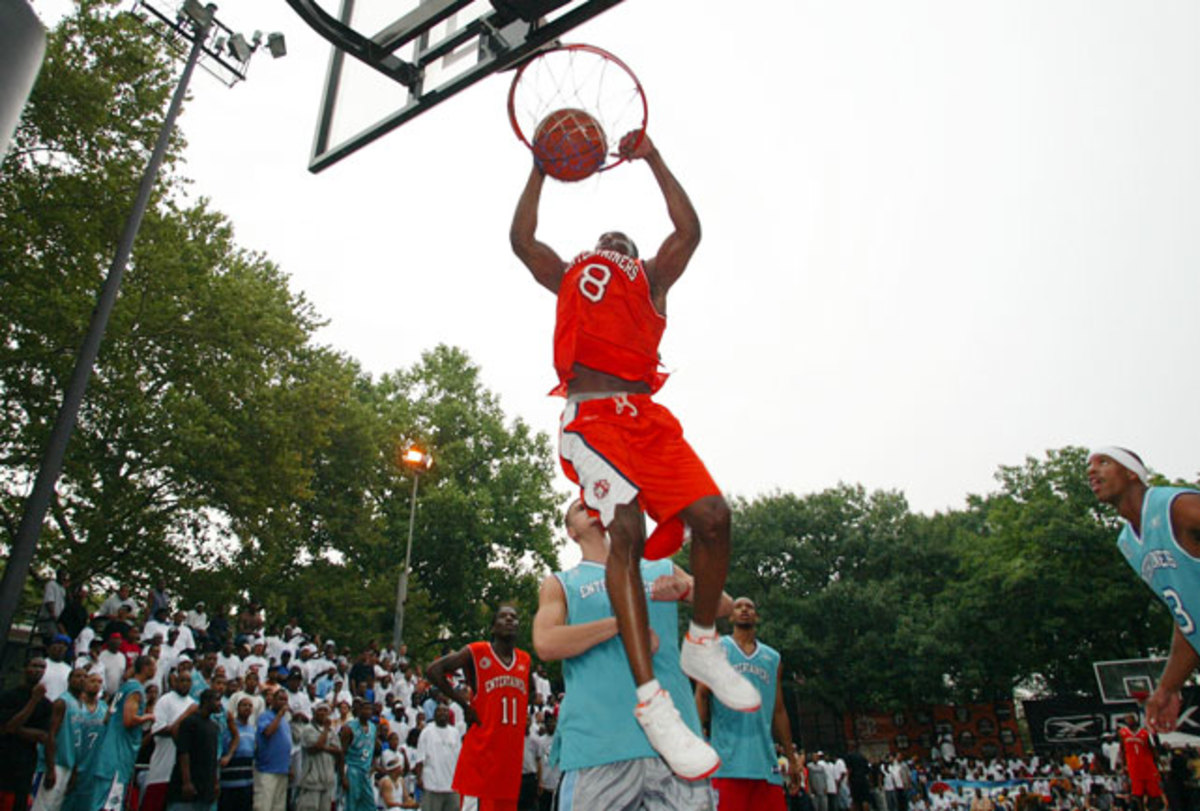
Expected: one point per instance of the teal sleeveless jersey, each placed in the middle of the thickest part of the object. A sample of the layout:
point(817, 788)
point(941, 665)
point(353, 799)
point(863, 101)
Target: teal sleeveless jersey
point(120, 745)
point(743, 739)
point(361, 751)
point(66, 743)
point(91, 731)
point(1168, 570)
point(596, 724)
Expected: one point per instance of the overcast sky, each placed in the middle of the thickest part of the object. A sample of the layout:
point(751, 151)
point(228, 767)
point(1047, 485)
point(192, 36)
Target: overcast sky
point(938, 236)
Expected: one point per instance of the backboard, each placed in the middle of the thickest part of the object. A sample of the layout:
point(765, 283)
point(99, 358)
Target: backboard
point(1125, 680)
point(394, 59)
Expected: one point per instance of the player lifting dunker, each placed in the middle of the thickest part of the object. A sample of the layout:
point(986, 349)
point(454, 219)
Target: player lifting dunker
point(627, 453)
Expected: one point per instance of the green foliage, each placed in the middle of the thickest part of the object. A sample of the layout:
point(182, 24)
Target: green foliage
point(874, 607)
point(218, 448)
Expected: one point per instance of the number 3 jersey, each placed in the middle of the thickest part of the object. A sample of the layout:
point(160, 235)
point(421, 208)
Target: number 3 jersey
point(489, 764)
point(1168, 570)
point(607, 320)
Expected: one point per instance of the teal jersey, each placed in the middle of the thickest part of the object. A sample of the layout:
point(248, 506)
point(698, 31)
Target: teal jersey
point(743, 739)
point(1168, 570)
point(66, 742)
point(120, 745)
point(91, 731)
point(199, 685)
point(361, 751)
point(596, 724)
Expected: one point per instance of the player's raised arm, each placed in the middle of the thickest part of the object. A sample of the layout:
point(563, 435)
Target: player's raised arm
point(553, 638)
point(546, 266)
point(665, 268)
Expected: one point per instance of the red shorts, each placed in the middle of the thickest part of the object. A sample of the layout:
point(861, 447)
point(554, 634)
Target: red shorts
point(626, 448)
point(487, 804)
point(1145, 785)
point(734, 794)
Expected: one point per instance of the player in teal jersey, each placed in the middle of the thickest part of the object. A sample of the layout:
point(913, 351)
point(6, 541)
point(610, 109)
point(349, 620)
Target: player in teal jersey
point(606, 759)
point(112, 769)
point(1161, 541)
point(64, 729)
point(358, 738)
point(750, 776)
point(94, 712)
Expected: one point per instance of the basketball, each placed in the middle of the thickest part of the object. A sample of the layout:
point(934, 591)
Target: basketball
point(569, 145)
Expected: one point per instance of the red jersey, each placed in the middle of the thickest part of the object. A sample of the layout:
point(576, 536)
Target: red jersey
point(607, 320)
point(489, 764)
point(1139, 757)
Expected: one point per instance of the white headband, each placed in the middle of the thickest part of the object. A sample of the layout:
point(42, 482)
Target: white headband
point(1125, 459)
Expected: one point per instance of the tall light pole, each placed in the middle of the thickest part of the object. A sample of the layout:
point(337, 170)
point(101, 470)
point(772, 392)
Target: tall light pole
point(418, 462)
point(196, 25)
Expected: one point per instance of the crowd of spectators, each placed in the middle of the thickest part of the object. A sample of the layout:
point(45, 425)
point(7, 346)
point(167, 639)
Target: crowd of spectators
point(1089, 779)
point(236, 716)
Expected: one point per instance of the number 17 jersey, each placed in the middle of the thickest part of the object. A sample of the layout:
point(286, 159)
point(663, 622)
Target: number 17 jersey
point(489, 764)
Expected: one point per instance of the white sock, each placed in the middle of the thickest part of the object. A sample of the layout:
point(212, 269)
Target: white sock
point(647, 691)
point(699, 632)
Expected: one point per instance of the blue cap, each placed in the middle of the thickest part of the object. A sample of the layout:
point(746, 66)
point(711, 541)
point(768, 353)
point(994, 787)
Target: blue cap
point(63, 638)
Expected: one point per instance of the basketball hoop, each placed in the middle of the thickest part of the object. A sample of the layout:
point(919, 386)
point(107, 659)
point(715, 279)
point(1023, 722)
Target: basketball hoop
point(579, 77)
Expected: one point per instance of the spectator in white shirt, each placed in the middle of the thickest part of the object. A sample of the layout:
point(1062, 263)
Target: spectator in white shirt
point(110, 607)
point(172, 707)
point(58, 672)
point(114, 664)
point(229, 661)
point(54, 600)
point(437, 756)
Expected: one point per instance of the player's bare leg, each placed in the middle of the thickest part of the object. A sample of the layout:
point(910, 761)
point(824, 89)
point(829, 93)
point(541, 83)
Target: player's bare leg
point(702, 656)
point(626, 592)
point(688, 755)
point(708, 519)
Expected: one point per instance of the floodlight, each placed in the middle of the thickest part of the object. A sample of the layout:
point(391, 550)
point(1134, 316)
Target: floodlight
point(240, 49)
point(199, 13)
point(276, 45)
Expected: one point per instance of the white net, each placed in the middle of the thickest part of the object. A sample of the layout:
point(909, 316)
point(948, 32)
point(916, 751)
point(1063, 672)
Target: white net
point(578, 77)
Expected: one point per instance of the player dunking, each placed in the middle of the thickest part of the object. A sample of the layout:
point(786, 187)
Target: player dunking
point(627, 453)
point(488, 774)
point(1161, 541)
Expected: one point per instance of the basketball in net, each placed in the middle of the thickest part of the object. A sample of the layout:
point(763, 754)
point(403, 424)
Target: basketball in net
point(572, 106)
point(569, 145)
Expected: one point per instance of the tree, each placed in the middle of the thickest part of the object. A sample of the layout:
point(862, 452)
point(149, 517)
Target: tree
point(1044, 591)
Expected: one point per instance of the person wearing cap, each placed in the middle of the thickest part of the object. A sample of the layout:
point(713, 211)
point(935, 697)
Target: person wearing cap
point(57, 670)
point(298, 700)
point(1161, 541)
point(391, 782)
point(317, 786)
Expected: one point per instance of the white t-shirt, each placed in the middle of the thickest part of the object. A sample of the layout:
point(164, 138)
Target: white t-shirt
point(167, 710)
point(831, 786)
point(300, 703)
point(114, 670)
point(252, 662)
point(55, 678)
point(231, 664)
point(437, 751)
point(56, 595)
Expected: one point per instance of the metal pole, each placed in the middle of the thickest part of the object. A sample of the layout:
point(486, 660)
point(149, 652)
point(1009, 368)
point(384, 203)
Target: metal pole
point(402, 587)
point(25, 542)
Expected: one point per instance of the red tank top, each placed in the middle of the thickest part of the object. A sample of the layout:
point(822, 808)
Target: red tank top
point(607, 320)
point(489, 764)
point(1139, 758)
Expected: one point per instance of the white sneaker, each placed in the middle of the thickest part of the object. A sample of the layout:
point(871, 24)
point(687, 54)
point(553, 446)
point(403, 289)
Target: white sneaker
point(705, 661)
point(685, 752)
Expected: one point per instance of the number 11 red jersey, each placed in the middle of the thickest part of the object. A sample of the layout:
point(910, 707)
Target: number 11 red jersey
point(489, 764)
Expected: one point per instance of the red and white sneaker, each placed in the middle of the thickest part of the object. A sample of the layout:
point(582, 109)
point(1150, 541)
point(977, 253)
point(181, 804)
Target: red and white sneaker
point(705, 661)
point(684, 751)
